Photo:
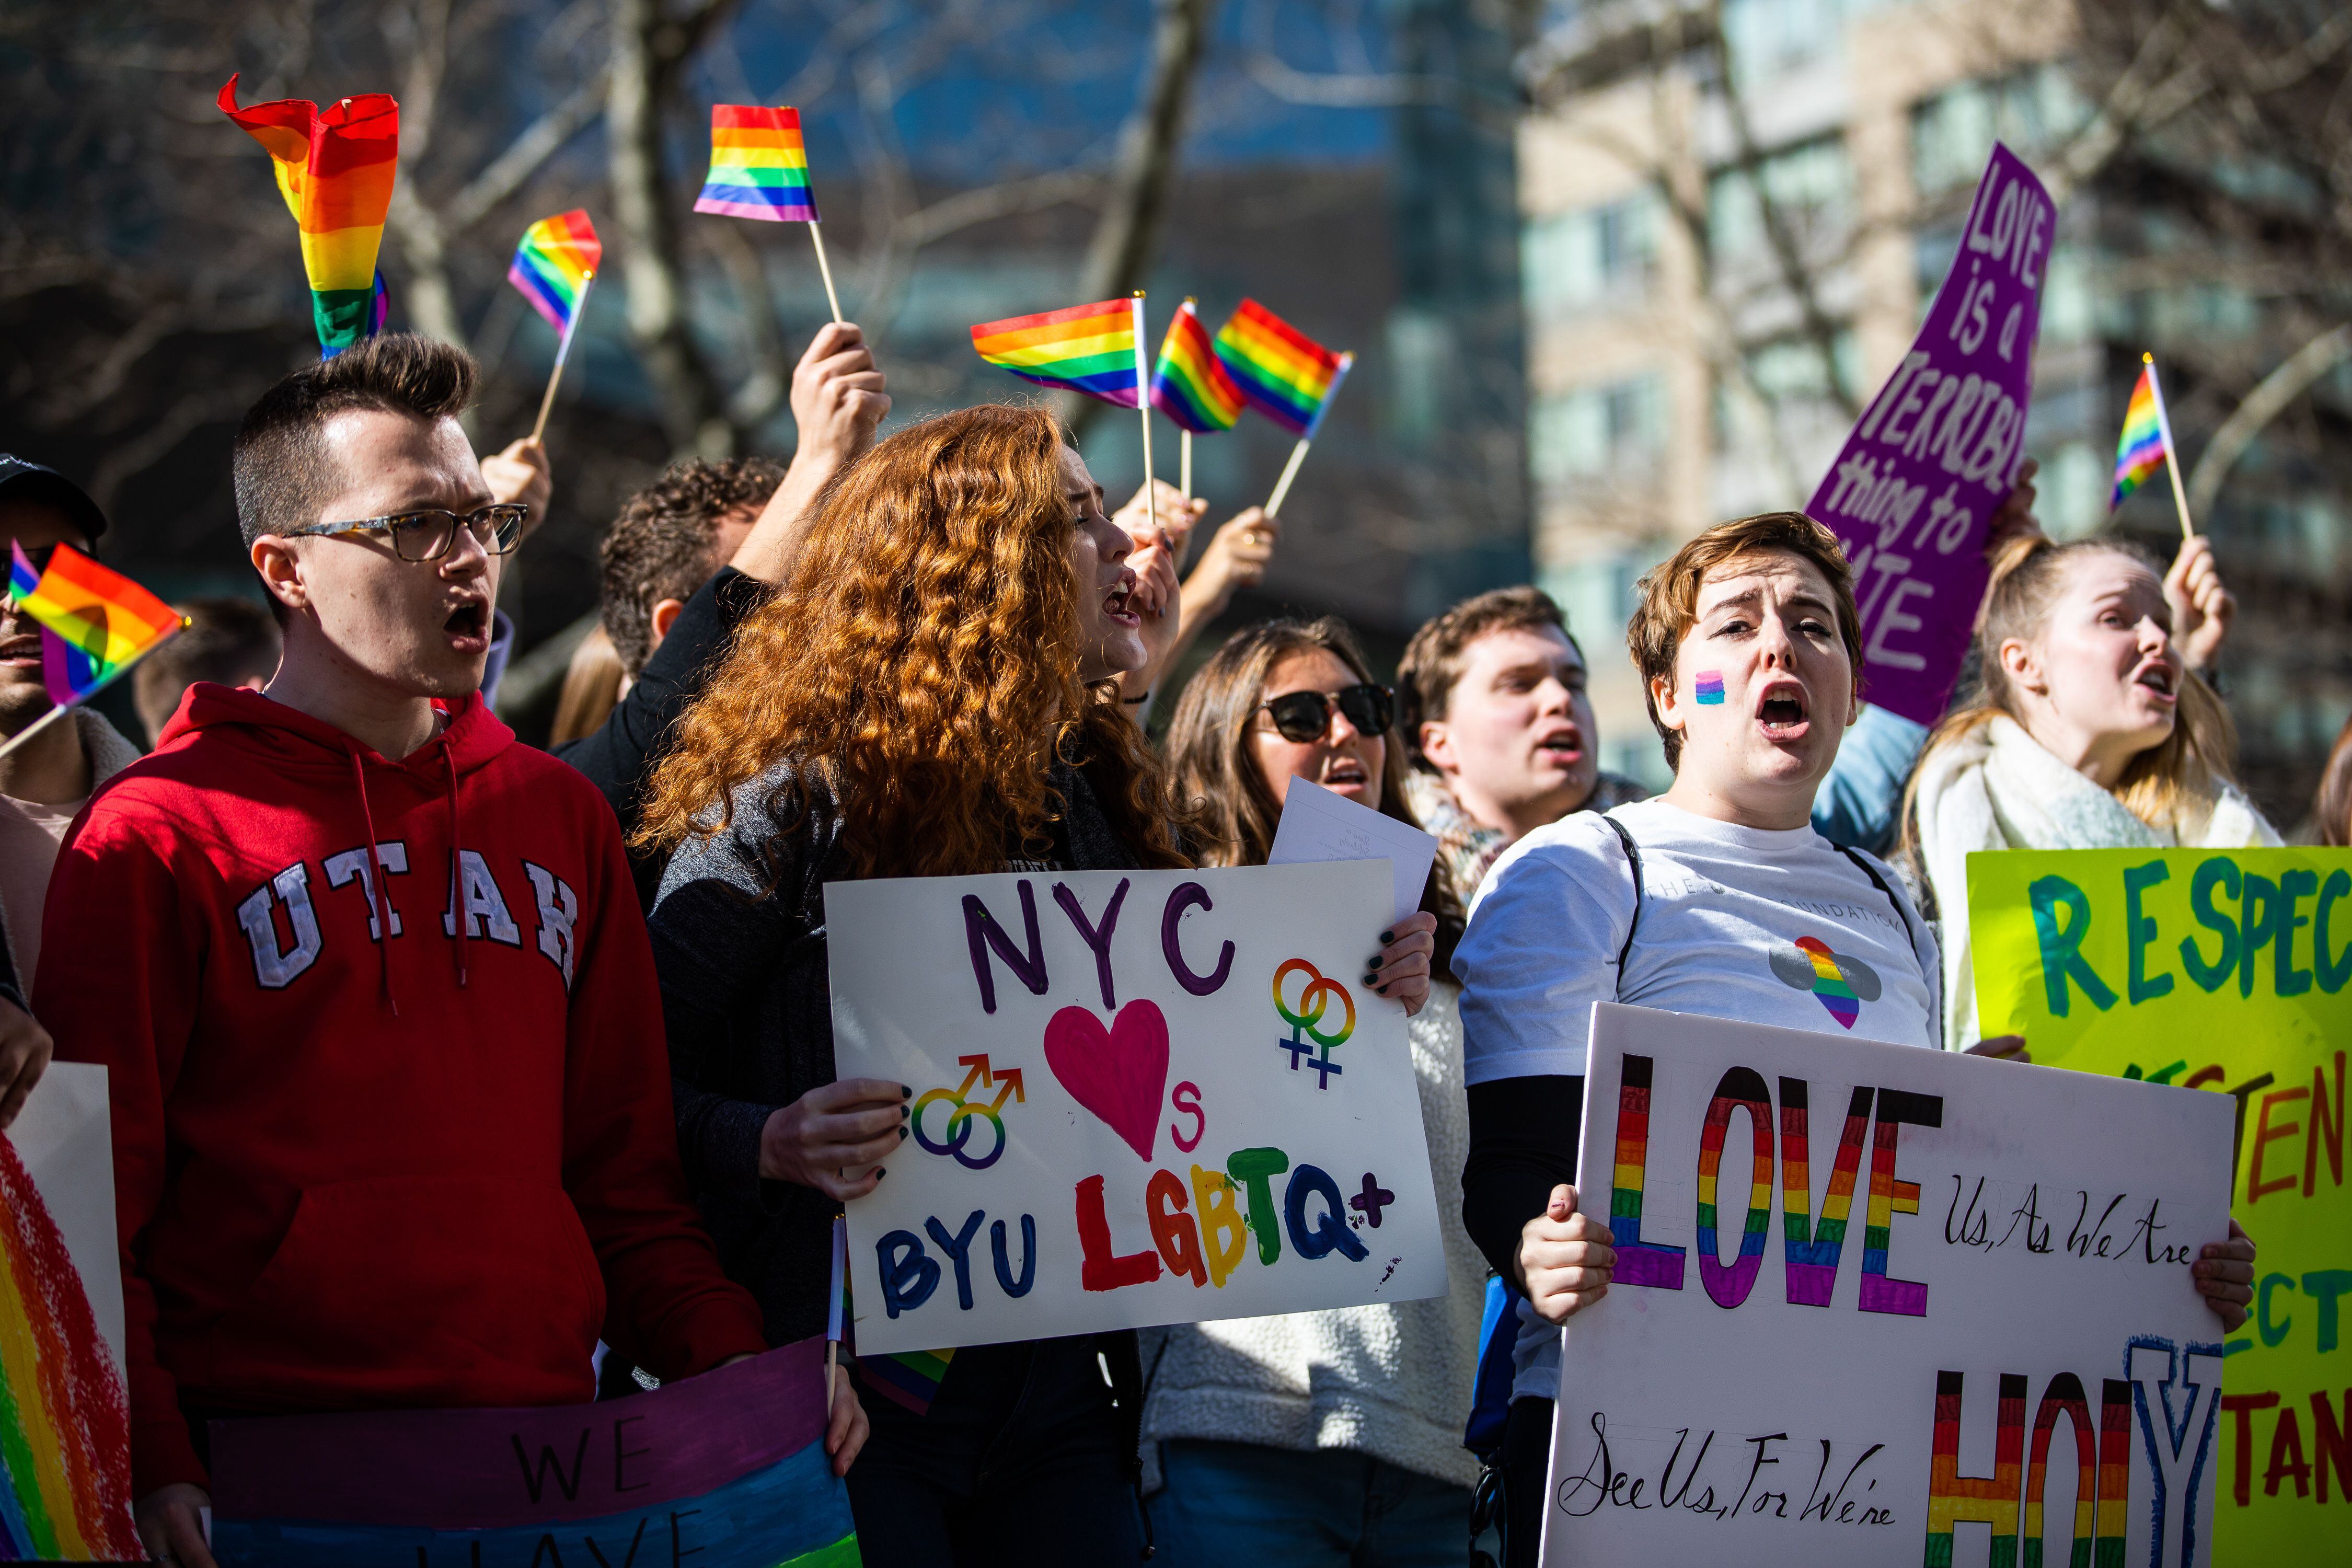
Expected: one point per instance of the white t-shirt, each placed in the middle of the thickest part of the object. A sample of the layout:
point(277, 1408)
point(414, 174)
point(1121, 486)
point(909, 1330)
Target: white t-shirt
point(1736, 922)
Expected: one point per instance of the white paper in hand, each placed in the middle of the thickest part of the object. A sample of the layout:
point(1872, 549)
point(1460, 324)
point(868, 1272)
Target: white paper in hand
point(1320, 825)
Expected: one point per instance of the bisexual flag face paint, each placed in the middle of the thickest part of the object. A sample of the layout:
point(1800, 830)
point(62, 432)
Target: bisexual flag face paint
point(1710, 688)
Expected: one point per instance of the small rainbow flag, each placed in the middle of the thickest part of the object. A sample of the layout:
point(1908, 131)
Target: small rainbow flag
point(757, 166)
point(1280, 370)
point(2146, 443)
point(98, 623)
point(552, 264)
point(65, 1423)
point(335, 169)
point(1092, 349)
point(1190, 384)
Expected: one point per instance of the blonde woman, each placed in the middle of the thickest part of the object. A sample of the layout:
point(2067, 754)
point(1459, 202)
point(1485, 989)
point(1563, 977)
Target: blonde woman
point(2089, 730)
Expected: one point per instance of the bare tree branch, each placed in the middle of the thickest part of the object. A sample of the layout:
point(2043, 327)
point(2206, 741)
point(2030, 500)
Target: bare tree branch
point(2265, 403)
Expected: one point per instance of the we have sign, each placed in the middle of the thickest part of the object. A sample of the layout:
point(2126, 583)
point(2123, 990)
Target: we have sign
point(1139, 1097)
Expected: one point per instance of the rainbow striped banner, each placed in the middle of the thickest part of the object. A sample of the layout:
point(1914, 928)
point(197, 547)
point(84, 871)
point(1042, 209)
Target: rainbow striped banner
point(728, 1468)
point(65, 1421)
point(1188, 384)
point(335, 169)
point(96, 623)
point(1094, 349)
point(554, 263)
point(2147, 441)
point(759, 167)
point(1280, 370)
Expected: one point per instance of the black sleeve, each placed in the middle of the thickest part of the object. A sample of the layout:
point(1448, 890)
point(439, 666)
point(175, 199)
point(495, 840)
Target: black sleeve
point(1522, 1144)
point(617, 757)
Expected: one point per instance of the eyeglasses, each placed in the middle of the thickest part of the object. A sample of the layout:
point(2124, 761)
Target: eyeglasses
point(426, 533)
point(1300, 717)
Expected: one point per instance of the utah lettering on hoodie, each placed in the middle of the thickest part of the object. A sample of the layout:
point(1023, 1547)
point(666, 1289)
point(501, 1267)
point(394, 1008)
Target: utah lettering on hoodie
point(391, 1103)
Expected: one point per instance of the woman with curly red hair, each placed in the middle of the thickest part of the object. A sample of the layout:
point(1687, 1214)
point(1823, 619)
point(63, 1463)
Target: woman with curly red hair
point(931, 693)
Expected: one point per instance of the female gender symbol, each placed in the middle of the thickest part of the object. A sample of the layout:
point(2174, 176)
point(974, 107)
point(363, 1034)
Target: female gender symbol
point(1317, 992)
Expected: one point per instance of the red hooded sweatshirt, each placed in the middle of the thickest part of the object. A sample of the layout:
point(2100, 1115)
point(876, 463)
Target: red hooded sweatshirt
point(353, 1172)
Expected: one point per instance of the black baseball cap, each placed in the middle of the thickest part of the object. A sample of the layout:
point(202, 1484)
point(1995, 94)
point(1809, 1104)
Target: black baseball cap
point(25, 481)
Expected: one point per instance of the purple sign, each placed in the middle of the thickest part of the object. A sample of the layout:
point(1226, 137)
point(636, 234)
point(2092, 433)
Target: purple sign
point(1912, 494)
point(728, 1469)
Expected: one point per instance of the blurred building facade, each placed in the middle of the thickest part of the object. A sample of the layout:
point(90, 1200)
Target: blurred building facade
point(1736, 214)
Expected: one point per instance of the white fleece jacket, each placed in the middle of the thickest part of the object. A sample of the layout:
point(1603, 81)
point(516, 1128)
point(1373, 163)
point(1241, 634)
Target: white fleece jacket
point(1390, 1381)
point(1998, 788)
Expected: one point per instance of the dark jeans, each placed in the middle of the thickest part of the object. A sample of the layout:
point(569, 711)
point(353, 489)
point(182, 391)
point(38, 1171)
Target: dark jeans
point(1017, 1462)
point(1527, 1458)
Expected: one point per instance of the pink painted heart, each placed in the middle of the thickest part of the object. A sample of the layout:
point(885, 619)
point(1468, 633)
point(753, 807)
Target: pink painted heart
point(1118, 1073)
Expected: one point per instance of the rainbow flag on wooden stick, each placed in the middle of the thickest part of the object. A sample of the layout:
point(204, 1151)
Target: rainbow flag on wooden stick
point(759, 167)
point(1188, 385)
point(96, 623)
point(1281, 372)
point(2143, 447)
point(1085, 348)
point(335, 169)
point(554, 265)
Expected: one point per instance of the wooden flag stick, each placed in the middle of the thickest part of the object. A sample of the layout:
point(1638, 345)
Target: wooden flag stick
point(33, 729)
point(563, 353)
point(1289, 472)
point(1184, 464)
point(824, 268)
point(1143, 406)
point(2171, 457)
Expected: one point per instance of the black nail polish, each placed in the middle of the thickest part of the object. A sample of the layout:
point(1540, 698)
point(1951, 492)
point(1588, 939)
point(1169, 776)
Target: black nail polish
point(905, 1093)
point(902, 1135)
point(1387, 937)
point(879, 1172)
point(1370, 979)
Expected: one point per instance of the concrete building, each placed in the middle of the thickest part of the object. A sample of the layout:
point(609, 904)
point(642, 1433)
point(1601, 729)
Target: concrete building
point(1735, 215)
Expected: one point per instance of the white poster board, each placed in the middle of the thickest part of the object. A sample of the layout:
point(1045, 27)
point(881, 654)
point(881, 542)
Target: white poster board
point(1950, 1313)
point(1139, 1097)
point(67, 1145)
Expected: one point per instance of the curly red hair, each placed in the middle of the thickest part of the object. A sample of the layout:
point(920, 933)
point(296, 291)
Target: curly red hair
point(922, 658)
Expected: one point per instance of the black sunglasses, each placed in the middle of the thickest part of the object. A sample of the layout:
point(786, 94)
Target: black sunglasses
point(1300, 717)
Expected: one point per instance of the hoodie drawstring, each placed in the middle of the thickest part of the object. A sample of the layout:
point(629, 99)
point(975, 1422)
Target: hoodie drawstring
point(457, 871)
point(381, 899)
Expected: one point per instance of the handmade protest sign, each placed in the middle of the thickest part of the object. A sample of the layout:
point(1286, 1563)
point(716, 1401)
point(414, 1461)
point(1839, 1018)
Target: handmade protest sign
point(1914, 489)
point(2222, 970)
point(728, 1470)
point(2008, 1363)
point(65, 1423)
point(1144, 1096)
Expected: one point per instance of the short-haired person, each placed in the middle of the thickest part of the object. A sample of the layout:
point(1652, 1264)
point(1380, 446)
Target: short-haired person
point(1748, 644)
point(44, 782)
point(963, 570)
point(670, 539)
point(1334, 1438)
point(227, 641)
point(837, 400)
point(2089, 729)
point(382, 1037)
point(1501, 731)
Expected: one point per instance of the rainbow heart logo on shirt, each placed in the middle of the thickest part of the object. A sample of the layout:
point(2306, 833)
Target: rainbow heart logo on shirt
point(1842, 983)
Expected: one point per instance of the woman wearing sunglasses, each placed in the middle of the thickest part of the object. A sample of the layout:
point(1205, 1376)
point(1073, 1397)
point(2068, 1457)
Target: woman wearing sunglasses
point(1328, 1437)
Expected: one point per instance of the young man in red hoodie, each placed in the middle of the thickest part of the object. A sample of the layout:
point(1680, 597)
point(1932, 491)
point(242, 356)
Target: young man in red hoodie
point(390, 1106)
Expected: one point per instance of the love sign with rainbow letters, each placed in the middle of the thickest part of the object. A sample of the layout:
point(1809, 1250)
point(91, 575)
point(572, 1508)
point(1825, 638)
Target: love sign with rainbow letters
point(1139, 1098)
point(1970, 1334)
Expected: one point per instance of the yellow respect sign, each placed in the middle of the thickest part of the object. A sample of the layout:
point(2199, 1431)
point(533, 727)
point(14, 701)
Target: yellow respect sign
point(2229, 972)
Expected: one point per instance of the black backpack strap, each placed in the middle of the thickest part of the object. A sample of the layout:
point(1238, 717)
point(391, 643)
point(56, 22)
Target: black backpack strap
point(1871, 871)
point(1633, 860)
